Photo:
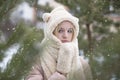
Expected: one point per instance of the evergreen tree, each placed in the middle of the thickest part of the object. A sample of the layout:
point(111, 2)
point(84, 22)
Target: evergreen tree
point(24, 38)
point(105, 53)
point(92, 12)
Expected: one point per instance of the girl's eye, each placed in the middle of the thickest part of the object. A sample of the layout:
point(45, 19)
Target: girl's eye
point(60, 31)
point(70, 31)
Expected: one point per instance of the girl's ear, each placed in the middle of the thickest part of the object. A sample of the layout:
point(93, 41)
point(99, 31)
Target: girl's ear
point(46, 17)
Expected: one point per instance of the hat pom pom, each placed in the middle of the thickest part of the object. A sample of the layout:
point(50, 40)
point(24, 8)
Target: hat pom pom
point(46, 17)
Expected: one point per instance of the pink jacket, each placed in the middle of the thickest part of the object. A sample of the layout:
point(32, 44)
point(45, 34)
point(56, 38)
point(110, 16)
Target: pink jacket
point(37, 73)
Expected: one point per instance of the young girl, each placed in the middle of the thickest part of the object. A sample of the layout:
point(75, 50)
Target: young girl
point(60, 58)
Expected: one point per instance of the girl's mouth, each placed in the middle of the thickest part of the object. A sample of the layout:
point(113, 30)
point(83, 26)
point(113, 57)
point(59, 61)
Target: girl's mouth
point(65, 41)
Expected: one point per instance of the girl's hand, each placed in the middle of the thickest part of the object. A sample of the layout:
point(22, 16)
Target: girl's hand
point(65, 58)
point(57, 76)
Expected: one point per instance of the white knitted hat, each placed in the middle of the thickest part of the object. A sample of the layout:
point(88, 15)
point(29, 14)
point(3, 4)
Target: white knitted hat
point(57, 16)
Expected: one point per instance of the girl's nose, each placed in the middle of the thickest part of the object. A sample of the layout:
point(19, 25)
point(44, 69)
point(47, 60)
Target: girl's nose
point(65, 35)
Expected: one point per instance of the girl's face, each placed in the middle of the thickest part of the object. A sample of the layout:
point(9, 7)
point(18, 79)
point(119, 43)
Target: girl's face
point(64, 31)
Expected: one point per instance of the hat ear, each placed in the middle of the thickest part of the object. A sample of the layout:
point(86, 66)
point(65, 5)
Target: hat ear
point(46, 17)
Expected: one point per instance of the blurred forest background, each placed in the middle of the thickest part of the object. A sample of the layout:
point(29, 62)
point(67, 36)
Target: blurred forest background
point(21, 31)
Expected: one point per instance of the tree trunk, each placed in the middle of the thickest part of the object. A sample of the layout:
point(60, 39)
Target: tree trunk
point(89, 38)
point(35, 6)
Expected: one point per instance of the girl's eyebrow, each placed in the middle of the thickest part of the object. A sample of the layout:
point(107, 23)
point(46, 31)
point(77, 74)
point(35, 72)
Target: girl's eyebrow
point(59, 28)
point(63, 28)
point(70, 28)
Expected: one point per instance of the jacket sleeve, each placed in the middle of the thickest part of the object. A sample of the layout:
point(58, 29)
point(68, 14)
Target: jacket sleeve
point(57, 76)
point(36, 73)
point(87, 69)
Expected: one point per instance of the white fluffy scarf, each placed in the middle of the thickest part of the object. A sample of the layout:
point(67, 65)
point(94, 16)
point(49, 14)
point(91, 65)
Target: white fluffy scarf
point(61, 57)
